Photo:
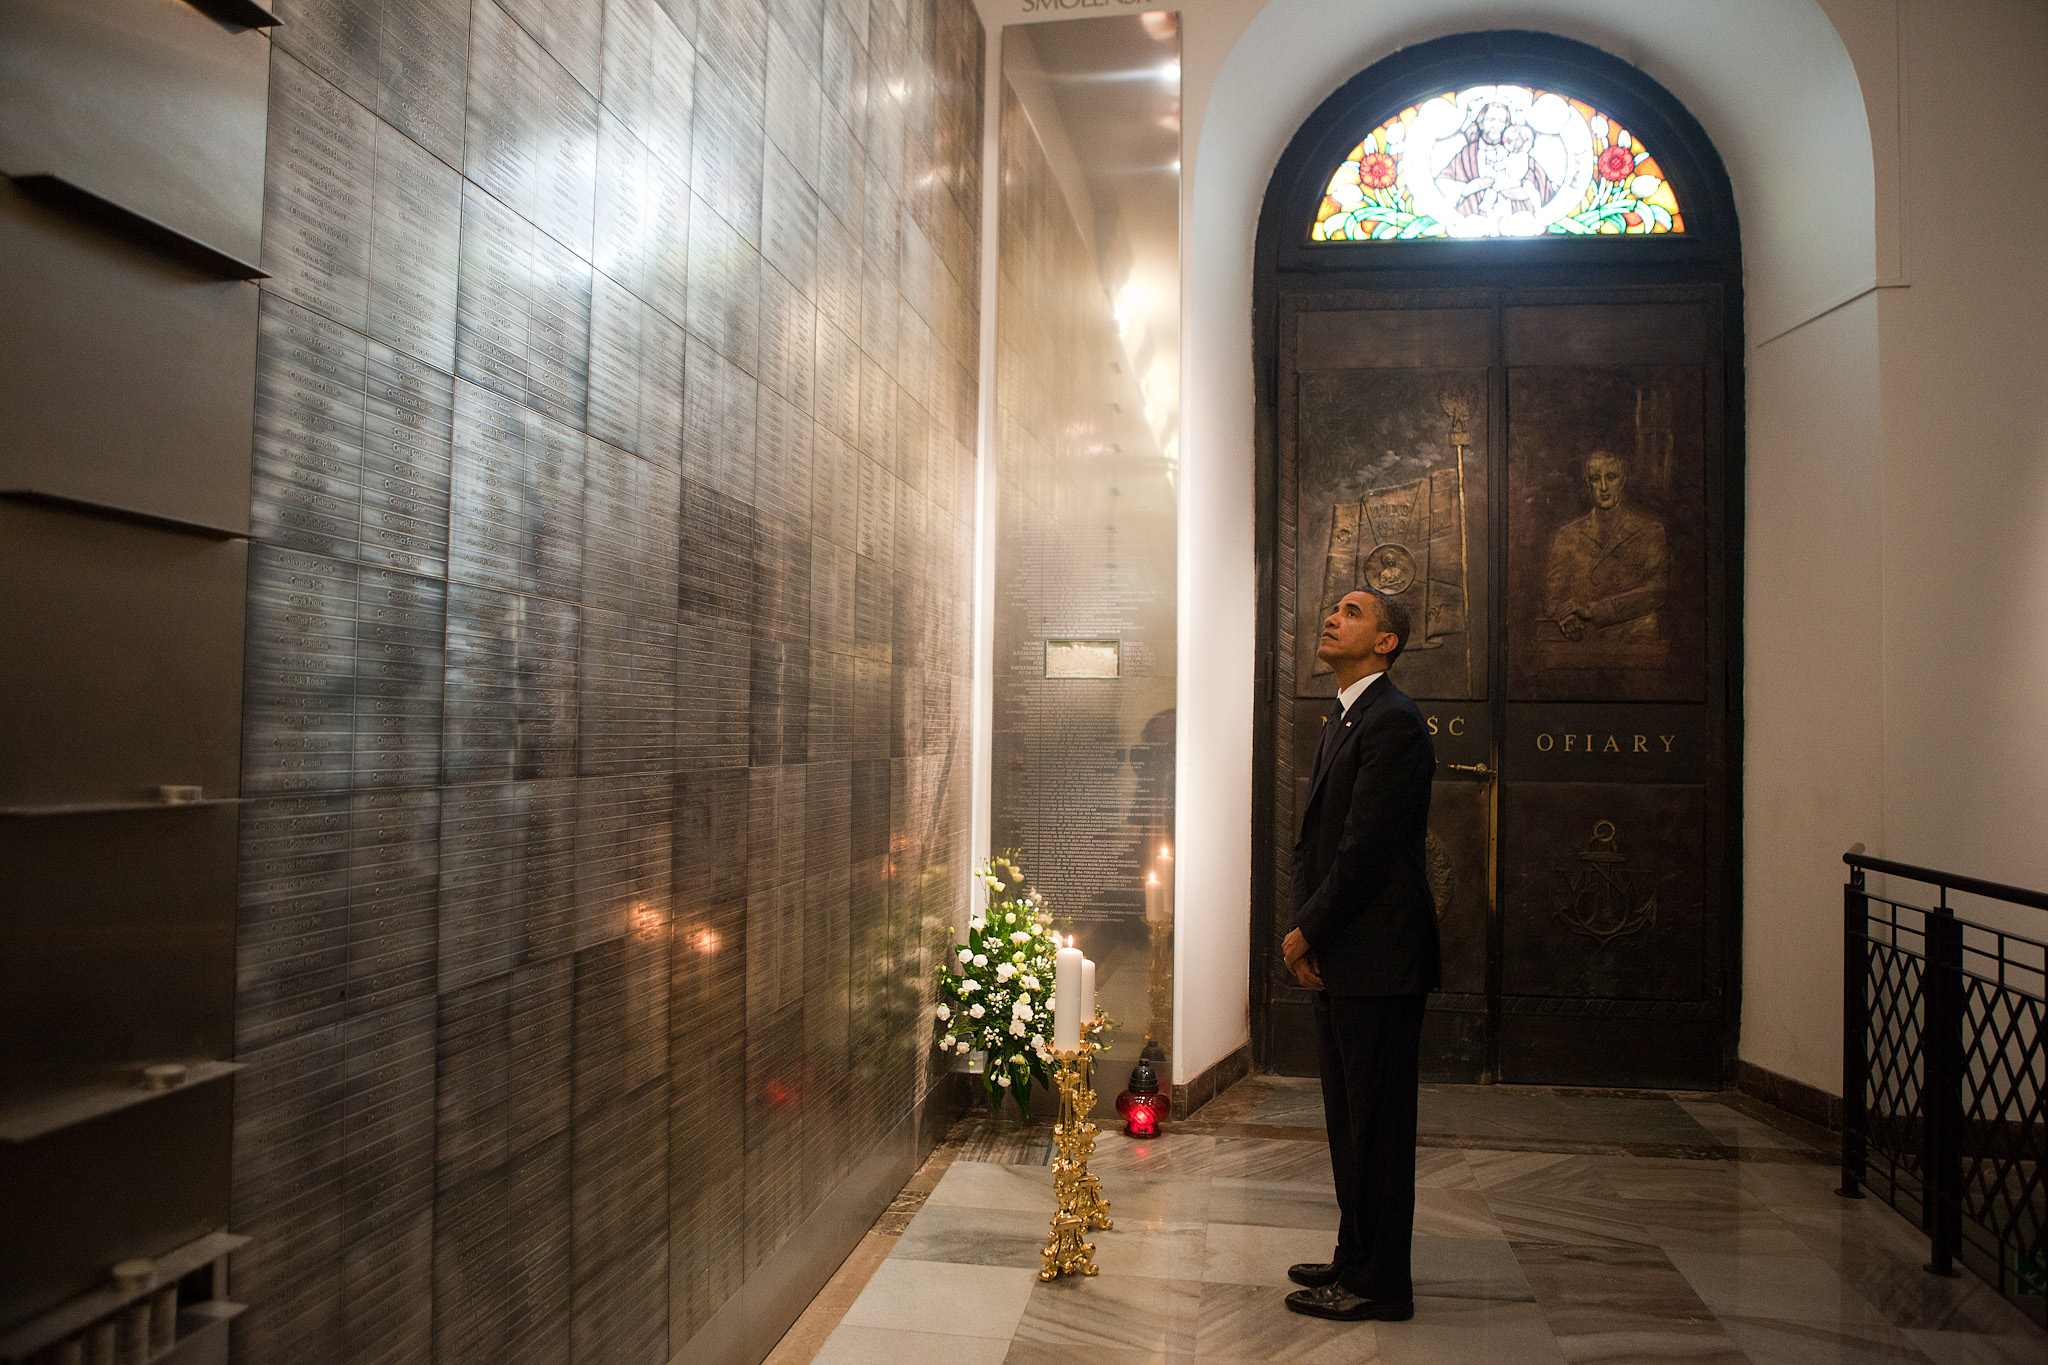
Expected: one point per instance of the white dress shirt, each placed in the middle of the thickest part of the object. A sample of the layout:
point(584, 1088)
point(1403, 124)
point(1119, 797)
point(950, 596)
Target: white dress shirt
point(1350, 695)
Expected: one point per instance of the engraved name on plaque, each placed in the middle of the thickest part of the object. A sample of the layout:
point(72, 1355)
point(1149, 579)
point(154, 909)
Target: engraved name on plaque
point(414, 251)
point(422, 65)
point(487, 512)
point(299, 697)
point(307, 458)
point(494, 281)
point(317, 190)
point(407, 458)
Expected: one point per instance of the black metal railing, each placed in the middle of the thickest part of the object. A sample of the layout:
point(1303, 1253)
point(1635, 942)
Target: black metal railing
point(1945, 1070)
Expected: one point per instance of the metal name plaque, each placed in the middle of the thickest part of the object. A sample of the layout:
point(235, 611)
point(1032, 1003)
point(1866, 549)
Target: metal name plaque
point(1606, 743)
point(1083, 658)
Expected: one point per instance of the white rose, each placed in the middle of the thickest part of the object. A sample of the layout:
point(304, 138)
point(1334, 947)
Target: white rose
point(976, 1011)
point(966, 951)
point(1017, 1027)
point(1010, 918)
point(962, 1049)
point(1003, 1081)
point(1038, 1041)
point(1022, 1010)
point(944, 1012)
point(1014, 957)
point(1030, 982)
point(980, 959)
point(969, 984)
point(1005, 971)
point(977, 924)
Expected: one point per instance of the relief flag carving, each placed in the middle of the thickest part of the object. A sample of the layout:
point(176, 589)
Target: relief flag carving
point(1408, 541)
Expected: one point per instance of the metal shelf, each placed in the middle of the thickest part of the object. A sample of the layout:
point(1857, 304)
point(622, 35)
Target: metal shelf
point(199, 1325)
point(242, 13)
point(47, 1114)
point(114, 807)
point(68, 196)
point(82, 1312)
point(107, 511)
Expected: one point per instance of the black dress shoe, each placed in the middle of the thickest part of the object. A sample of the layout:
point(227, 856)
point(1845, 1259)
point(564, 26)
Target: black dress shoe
point(1339, 1304)
point(1314, 1274)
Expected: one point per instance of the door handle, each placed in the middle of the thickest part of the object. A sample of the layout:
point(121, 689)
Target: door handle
point(1479, 768)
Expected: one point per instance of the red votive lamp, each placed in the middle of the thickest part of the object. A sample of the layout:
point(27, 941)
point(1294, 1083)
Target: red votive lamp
point(1143, 1105)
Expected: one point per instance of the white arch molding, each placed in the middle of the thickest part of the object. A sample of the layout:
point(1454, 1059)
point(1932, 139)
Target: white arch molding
point(1775, 88)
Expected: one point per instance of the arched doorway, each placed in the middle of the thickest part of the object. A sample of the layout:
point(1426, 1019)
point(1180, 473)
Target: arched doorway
point(1497, 334)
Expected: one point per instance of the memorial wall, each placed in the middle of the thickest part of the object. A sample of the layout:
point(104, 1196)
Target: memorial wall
point(604, 743)
point(1084, 630)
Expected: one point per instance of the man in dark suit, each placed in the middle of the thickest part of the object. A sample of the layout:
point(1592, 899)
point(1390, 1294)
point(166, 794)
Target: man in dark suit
point(1365, 941)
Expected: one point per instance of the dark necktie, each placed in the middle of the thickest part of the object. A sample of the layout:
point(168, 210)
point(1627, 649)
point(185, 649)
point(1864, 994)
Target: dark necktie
point(1326, 744)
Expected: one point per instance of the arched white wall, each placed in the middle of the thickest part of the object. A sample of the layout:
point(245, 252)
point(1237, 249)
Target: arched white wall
point(1775, 87)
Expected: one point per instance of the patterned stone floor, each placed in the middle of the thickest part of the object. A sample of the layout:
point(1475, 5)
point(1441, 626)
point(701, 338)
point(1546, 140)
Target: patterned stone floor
point(1551, 1226)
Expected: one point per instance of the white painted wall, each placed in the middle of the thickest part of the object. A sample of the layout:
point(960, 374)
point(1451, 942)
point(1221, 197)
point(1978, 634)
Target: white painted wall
point(1897, 587)
point(1814, 713)
point(1964, 370)
point(1897, 645)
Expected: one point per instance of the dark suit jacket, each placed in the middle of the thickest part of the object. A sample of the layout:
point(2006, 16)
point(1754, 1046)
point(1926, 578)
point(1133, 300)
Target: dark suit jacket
point(1361, 878)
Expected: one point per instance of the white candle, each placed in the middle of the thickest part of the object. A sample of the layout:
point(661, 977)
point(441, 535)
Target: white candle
point(1156, 911)
point(1087, 988)
point(1066, 999)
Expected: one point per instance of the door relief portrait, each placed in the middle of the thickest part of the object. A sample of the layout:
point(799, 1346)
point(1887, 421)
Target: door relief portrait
point(1608, 576)
point(1607, 534)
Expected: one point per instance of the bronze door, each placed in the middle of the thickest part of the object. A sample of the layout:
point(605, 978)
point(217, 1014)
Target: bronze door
point(1537, 476)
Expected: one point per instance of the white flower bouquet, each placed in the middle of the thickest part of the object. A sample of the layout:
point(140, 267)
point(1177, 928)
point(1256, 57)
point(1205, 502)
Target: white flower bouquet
point(996, 995)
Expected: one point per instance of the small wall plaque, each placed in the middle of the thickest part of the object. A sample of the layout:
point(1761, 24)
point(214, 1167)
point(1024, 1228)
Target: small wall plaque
point(1082, 658)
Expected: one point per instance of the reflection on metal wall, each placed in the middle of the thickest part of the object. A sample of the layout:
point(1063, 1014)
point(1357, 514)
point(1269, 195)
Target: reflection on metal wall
point(607, 660)
point(1086, 406)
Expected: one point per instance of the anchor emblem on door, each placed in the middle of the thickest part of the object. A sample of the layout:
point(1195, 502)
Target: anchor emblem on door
point(1597, 894)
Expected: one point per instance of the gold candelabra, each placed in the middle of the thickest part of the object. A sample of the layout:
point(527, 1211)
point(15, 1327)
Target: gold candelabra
point(1081, 1205)
point(1159, 995)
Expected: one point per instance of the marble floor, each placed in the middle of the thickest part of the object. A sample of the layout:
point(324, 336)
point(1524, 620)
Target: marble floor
point(1551, 1226)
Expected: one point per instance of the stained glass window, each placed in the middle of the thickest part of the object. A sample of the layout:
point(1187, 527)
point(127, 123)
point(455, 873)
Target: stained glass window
point(1497, 161)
